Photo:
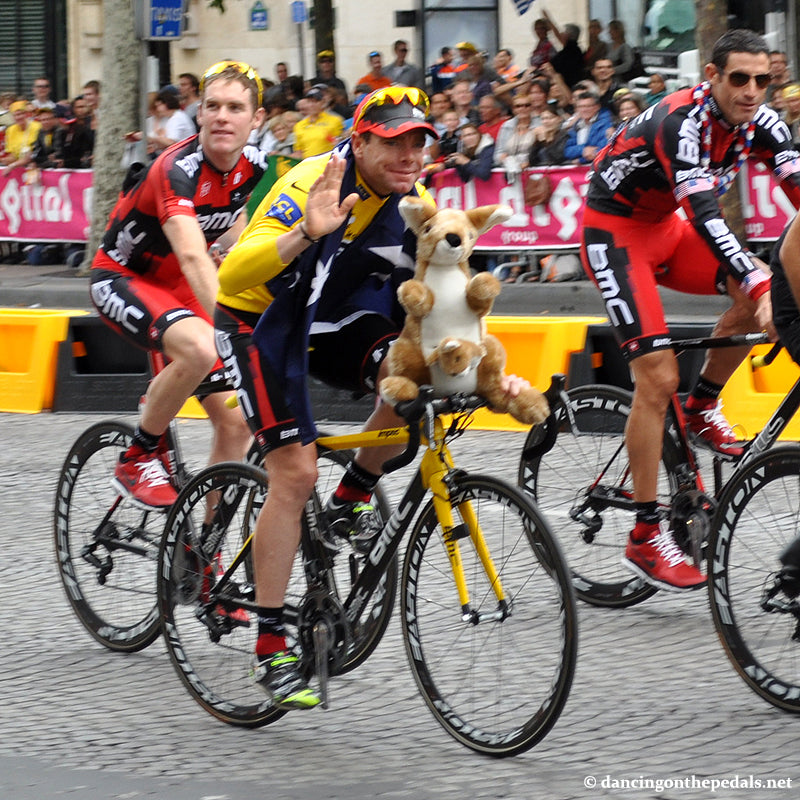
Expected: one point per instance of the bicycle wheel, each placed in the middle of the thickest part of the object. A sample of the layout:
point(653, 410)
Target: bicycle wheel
point(759, 627)
point(106, 545)
point(367, 631)
point(495, 680)
point(209, 647)
point(583, 487)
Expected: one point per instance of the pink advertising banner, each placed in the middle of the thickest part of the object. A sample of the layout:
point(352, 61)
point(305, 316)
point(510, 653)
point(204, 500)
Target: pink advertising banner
point(557, 225)
point(552, 227)
point(765, 207)
point(58, 206)
point(54, 208)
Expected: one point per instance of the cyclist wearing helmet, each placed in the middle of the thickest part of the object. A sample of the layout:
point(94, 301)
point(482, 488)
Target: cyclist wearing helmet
point(154, 281)
point(328, 240)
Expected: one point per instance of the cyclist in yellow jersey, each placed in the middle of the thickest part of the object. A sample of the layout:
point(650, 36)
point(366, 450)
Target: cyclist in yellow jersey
point(310, 288)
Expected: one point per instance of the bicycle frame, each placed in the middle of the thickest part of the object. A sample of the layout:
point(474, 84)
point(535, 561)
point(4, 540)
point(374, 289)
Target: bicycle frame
point(431, 475)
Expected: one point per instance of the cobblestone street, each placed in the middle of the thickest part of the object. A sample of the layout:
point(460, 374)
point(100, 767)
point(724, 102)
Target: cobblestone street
point(654, 696)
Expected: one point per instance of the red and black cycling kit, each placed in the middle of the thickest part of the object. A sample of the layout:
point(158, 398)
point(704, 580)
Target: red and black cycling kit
point(137, 284)
point(678, 154)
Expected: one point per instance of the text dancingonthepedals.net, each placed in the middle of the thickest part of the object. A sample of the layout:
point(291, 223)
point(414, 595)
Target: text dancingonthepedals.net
point(743, 782)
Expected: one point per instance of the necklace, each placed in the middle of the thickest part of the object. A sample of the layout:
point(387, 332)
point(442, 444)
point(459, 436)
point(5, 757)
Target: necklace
point(744, 140)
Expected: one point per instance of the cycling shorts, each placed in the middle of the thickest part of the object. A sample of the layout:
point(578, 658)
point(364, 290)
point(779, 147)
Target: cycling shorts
point(140, 309)
point(628, 260)
point(346, 354)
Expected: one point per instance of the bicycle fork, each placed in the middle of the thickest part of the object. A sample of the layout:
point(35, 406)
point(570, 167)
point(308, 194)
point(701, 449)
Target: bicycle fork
point(438, 477)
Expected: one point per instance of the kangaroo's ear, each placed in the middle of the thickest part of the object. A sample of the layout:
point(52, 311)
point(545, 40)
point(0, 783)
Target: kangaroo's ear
point(485, 217)
point(415, 212)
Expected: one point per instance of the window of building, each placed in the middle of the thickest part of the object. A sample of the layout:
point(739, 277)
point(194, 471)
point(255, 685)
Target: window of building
point(33, 42)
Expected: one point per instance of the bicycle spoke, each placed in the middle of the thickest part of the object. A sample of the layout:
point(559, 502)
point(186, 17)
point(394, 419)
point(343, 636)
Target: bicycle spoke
point(495, 681)
point(106, 546)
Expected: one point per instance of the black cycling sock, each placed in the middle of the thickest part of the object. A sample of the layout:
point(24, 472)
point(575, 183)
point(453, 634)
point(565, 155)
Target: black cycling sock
point(647, 513)
point(705, 390)
point(357, 484)
point(145, 440)
point(271, 633)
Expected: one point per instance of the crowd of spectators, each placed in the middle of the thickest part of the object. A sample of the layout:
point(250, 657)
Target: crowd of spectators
point(557, 105)
point(38, 132)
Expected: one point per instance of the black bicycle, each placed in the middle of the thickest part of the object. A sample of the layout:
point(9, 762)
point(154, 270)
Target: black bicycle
point(106, 543)
point(575, 466)
point(487, 609)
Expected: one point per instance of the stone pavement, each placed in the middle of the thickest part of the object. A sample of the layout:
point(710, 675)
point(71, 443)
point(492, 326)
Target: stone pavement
point(654, 696)
point(57, 286)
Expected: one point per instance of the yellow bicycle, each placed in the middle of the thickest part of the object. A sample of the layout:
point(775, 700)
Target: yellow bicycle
point(487, 609)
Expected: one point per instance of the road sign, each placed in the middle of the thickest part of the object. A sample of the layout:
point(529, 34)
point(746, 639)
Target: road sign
point(259, 17)
point(299, 13)
point(159, 19)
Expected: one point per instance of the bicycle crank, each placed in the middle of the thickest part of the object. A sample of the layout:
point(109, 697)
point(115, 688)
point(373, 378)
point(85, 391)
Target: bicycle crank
point(323, 631)
point(690, 516)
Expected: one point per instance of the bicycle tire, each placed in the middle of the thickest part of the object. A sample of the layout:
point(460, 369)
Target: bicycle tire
point(758, 515)
point(560, 480)
point(368, 630)
point(497, 686)
point(215, 673)
point(114, 595)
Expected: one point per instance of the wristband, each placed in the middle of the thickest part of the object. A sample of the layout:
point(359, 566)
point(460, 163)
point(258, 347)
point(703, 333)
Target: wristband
point(756, 283)
point(304, 233)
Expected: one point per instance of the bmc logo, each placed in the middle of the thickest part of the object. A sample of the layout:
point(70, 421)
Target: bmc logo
point(618, 310)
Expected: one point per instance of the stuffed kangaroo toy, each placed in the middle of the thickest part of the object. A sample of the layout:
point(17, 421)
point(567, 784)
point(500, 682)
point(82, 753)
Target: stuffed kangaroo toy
point(444, 341)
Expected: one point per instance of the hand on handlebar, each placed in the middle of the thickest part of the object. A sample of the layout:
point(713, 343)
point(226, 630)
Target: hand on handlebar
point(512, 385)
point(763, 315)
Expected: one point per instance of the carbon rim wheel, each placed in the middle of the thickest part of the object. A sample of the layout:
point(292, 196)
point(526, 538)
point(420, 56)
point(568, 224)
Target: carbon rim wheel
point(498, 680)
point(209, 647)
point(758, 516)
point(106, 546)
point(574, 485)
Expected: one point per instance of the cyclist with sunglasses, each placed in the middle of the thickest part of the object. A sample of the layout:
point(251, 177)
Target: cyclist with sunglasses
point(154, 281)
point(311, 288)
point(682, 154)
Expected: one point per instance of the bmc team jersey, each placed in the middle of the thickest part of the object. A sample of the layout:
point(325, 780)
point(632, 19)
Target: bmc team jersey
point(179, 182)
point(654, 165)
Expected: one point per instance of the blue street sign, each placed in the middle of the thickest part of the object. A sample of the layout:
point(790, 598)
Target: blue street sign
point(299, 13)
point(259, 17)
point(159, 19)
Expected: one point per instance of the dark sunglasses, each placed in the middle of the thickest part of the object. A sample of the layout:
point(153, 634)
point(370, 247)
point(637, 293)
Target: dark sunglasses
point(739, 79)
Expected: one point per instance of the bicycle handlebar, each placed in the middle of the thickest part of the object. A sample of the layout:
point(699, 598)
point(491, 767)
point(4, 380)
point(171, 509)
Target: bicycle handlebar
point(426, 406)
point(705, 342)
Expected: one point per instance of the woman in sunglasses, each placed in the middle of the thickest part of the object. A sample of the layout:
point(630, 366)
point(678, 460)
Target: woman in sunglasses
point(682, 155)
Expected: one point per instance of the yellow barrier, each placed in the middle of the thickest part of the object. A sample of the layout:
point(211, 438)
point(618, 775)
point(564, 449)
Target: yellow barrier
point(750, 396)
point(536, 348)
point(192, 409)
point(28, 351)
